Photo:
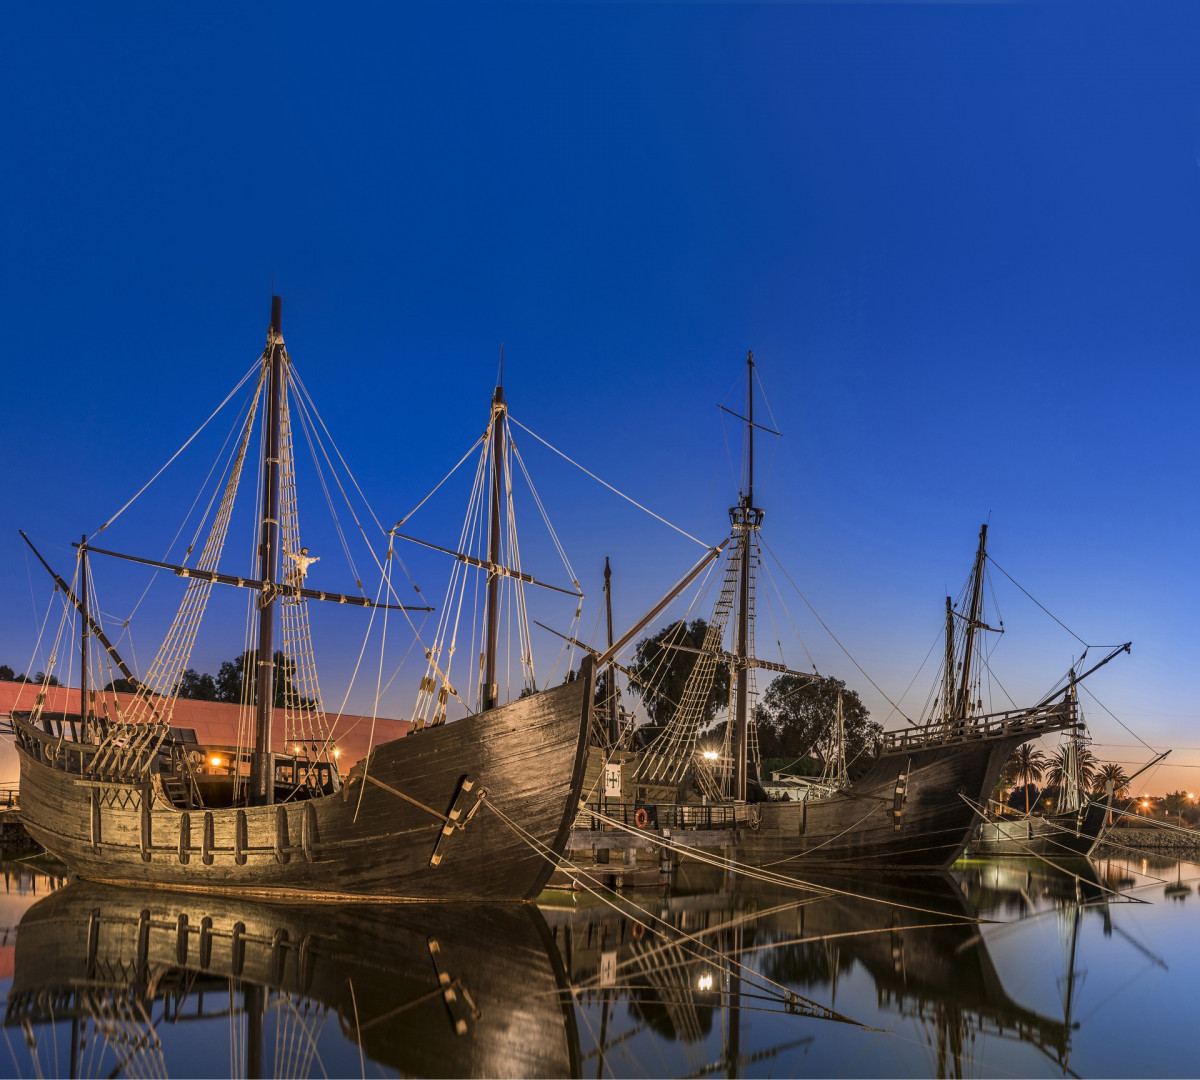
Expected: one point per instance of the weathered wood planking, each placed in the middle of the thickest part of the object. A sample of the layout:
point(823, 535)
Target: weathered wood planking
point(528, 756)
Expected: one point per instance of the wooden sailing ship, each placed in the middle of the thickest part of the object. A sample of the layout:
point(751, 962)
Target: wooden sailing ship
point(477, 809)
point(913, 807)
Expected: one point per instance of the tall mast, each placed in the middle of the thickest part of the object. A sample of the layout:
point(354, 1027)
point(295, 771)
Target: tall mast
point(499, 408)
point(961, 705)
point(262, 771)
point(948, 674)
point(746, 518)
point(84, 634)
point(614, 702)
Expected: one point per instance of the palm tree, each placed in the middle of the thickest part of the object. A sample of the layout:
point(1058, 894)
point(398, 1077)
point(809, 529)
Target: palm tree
point(1058, 771)
point(1028, 764)
point(1111, 771)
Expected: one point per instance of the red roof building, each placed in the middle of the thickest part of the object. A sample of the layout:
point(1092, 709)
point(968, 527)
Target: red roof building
point(214, 723)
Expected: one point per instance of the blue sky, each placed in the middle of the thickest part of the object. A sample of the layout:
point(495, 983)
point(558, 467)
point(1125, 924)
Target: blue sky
point(963, 241)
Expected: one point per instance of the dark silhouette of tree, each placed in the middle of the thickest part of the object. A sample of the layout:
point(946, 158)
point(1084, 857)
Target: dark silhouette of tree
point(197, 687)
point(660, 672)
point(1058, 773)
point(798, 717)
point(1111, 771)
point(1028, 766)
point(122, 686)
point(42, 679)
point(7, 673)
point(230, 676)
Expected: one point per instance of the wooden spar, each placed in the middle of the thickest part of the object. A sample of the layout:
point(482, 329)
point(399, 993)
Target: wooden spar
point(614, 702)
point(79, 606)
point(486, 564)
point(83, 632)
point(589, 649)
point(615, 648)
point(262, 786)
point(1077, 679)
point(961, 704)
point(739, 416)
point(752, 662)
point(490, 690)
point(255, 584)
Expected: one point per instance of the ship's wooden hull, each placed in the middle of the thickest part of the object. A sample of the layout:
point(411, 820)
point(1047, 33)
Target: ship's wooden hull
point(384, 971)
point(371, 841)
point(913, 810)
point(1052, 834)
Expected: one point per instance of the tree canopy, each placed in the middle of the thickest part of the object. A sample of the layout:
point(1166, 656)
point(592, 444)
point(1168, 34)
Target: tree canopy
point(798, 716)
point(228, 683)
point(660, 672)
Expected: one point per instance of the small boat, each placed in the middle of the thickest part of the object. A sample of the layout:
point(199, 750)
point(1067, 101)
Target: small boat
point(477, 809)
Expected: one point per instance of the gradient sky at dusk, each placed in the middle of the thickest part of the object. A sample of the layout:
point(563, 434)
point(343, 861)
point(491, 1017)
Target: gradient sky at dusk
point(963, 241)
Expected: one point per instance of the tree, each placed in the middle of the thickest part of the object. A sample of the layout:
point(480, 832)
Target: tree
point(197, 687)
point(1028, 766)
point(230, 676)
point(122, 686)
point(42, 679)
point(7, 673)
point(798, 716)
point(1111, 771)
point(660, 673)
point(1176, 803)
point(1058, 768)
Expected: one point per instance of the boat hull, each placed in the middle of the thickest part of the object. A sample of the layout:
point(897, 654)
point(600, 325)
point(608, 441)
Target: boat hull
point(913, 810)
point(373, 840)
point(1053, 834)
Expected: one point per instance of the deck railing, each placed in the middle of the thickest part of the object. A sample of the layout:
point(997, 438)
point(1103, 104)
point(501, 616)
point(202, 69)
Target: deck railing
point(1062, 714)
point(674, 816)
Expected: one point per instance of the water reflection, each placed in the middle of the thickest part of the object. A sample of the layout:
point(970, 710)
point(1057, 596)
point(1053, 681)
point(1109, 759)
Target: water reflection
point(143, 982)
point(917, 940)
point(951, 975)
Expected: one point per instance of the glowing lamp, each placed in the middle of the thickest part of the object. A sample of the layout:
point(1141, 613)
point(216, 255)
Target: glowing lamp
point(705, 982)
point(215, 762)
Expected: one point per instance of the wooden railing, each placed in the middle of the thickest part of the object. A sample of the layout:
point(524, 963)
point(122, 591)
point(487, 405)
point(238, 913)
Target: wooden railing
point(675, 816)
point(1062, 714)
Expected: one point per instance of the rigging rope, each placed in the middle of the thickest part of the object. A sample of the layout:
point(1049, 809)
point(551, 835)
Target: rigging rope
point(604, 483)
point(1038, 602)
point(191, 438)
point(862, 671)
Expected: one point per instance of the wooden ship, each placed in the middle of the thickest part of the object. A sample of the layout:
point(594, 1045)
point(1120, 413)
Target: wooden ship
point(913, 807)
point(423, 989)
point(1073, 828)
point(477, 809)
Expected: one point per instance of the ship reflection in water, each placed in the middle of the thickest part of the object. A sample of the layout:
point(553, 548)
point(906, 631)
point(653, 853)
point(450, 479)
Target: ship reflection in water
point(708, 977)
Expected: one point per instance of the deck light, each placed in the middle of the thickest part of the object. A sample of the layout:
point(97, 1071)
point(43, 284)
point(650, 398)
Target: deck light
point(710, 755)
point(216, 762)
point(705, 982)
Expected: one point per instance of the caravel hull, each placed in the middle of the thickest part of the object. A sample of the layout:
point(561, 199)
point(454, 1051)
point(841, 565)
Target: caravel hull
point(1053, 834)
point(374, 840)
point(914, 810)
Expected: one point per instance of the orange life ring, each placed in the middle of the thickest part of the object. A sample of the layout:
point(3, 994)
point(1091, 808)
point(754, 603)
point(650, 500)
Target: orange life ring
point(639, 931)
point(641, 818)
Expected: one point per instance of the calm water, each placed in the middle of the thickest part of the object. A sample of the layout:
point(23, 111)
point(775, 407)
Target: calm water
point(1005, 967)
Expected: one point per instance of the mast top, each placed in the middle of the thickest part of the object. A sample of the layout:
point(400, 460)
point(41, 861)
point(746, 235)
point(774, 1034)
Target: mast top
point(277, 314)
point(498, 396)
